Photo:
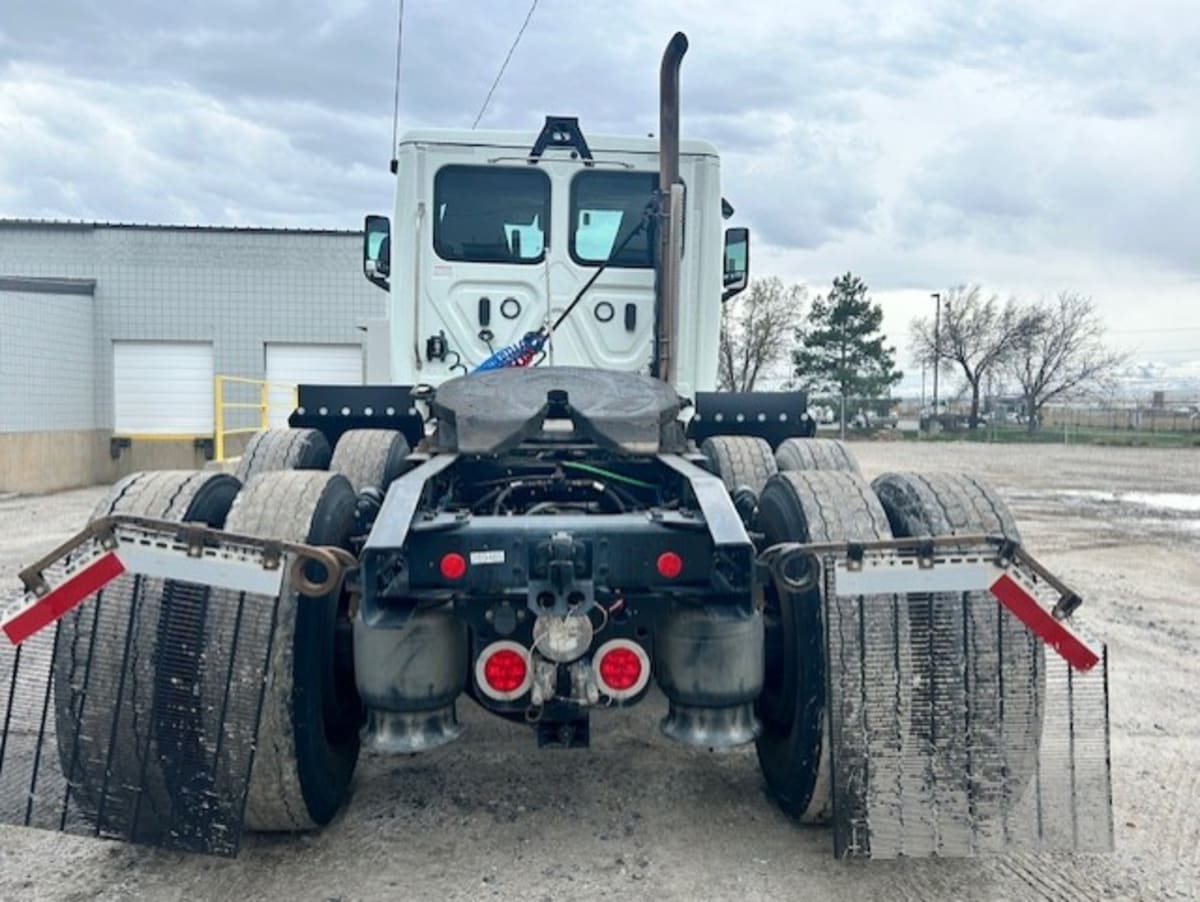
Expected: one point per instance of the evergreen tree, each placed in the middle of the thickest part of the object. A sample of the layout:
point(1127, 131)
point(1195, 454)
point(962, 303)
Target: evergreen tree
point(841, 349)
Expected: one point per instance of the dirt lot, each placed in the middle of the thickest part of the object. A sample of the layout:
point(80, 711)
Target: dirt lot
point(491, 817)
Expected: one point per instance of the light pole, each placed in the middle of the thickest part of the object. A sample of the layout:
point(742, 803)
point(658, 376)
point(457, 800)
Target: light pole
point(937, 348)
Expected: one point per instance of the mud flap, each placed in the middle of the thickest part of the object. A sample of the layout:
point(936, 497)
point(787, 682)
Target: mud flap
point(977, 735)
point(130, 703)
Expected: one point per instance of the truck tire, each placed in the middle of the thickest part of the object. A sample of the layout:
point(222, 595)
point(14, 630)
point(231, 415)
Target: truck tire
point(814, 454)
point(992, 667)
point(370, 458)
point(311, 713)
point(283, 449)
point(740, 460)
point(793, 749)
point(103, 725)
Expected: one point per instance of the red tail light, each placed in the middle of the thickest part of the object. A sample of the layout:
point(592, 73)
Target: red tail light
point(621, 668)
point(503, 671)
point(669, 565)
point(453, 566)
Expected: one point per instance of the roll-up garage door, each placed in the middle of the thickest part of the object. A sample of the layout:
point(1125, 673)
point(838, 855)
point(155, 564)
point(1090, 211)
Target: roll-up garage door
point(163, 388)
point(289, 365)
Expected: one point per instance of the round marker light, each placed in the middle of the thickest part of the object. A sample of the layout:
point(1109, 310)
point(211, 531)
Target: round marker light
point(621, 668)
point(453, 566)
point(669, 564)
point(503, 670)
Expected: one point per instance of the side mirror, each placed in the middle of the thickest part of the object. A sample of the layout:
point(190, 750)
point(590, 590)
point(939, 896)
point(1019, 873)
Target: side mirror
point(377, 250)
point(737, 262)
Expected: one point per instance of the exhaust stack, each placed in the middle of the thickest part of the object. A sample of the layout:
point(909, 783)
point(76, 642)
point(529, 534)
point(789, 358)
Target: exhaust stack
point(670, 233)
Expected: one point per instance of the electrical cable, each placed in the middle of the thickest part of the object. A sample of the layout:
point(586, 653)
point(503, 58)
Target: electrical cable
point(523, 352)
point(504, 65)
point(599, 471)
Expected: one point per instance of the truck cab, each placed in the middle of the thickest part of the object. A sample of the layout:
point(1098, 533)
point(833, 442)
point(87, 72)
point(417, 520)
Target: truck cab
point(495, 234)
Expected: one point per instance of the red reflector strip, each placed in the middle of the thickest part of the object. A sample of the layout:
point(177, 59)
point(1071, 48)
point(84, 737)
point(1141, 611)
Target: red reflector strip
point(57, 602)
point(1053, 632)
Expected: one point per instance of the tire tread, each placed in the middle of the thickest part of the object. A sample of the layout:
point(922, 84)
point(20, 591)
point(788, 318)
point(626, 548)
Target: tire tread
point(815, 454)
point(740, 460)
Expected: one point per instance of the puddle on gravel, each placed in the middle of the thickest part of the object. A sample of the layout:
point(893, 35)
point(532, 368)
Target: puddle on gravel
point(1160, 513)
point(1181, 502)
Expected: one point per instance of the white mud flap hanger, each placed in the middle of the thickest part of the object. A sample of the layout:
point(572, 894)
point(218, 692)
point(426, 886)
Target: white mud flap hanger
point(113, 546)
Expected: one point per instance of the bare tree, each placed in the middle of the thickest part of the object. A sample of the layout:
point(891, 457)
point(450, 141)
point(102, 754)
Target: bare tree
point(977, 335)
point(1064, 356)
point(757, 330)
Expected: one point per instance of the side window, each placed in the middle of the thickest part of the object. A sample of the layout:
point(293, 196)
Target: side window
point(491, 214)
point(605, 208)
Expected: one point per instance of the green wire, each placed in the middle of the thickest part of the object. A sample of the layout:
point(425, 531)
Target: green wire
point(597, 471)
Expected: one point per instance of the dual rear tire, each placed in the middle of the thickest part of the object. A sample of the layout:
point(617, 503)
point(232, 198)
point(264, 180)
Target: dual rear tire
point(963, 648)
point(117, 714)
point(308, 729)
point(369, 458)
point(746, 460)
point(137, 694)
point(793, 748)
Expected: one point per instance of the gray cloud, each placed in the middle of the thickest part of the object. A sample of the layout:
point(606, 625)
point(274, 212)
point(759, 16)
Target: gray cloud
point(904, 140)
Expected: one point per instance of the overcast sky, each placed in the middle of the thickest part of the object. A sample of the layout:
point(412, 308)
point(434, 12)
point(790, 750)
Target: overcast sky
point(1028, 146)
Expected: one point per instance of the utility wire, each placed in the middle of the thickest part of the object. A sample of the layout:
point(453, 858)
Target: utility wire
point(396, 95)
point(504, 65)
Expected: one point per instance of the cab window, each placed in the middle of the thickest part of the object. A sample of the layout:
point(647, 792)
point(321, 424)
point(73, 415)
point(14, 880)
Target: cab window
point(491, 214)
point(605, 208)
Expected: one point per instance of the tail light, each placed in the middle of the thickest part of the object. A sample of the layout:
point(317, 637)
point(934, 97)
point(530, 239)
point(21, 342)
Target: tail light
point(453, 566)
point(669, 565)
point(621, 668)
point(503, 671)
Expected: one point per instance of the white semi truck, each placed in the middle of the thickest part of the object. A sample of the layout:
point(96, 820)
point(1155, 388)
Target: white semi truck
point(549, 510)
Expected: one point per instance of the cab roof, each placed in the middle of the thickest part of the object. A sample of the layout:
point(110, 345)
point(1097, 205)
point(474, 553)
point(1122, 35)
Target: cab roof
point(523, 141)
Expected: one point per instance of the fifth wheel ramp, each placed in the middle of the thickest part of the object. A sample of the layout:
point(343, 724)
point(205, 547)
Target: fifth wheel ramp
point(133, 715)
point(962, 736)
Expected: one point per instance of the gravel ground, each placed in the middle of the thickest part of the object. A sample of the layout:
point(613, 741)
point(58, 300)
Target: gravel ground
point(491, 817)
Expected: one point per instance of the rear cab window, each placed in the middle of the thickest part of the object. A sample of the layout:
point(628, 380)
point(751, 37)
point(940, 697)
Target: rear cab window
point(605, 208)
point(491, 214)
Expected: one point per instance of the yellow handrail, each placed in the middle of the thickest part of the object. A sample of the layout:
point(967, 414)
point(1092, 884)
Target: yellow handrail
point(222, 407)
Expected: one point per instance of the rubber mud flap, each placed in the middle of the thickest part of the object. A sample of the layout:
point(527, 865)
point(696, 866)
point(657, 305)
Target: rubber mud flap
point(980, 674)
point(134, 682)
